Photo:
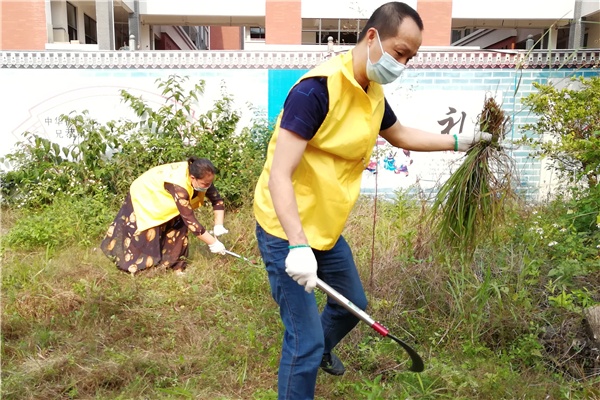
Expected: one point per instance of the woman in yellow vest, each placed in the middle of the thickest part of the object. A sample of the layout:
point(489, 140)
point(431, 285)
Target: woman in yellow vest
point(322, 142)
point(152, 225)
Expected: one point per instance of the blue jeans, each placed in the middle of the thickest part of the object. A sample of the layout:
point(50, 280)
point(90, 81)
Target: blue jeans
point(308, 333)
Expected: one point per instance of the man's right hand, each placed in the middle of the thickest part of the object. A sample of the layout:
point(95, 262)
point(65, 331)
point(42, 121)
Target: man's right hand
point(301, 266)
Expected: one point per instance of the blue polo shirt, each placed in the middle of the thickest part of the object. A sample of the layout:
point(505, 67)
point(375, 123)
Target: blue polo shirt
point(306, 107)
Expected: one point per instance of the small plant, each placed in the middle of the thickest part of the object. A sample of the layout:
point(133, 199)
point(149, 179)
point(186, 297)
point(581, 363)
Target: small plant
point(371, 390)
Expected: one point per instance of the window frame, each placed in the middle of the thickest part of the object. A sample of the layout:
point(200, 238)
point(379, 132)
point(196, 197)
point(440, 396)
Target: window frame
point(72, 25)
point(91, 35)
point(347, 31)
point(261, 35)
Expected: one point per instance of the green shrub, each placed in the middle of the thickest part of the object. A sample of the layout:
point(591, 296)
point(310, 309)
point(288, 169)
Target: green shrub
point(569, 118)
point(103, 159)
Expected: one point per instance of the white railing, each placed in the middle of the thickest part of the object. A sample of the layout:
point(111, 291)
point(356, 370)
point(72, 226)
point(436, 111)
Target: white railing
point(290, 59)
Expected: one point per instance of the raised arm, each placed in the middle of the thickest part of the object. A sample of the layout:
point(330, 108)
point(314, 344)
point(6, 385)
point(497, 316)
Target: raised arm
point(419, 140)
point(415, 139)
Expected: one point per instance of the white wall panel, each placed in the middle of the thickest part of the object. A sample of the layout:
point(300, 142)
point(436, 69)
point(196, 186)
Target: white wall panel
point(361, 9)
point(203, 7)
point(513, 9)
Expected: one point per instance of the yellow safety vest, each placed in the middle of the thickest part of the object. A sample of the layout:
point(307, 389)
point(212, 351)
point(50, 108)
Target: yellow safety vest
point(152, 203)
point(327, 180)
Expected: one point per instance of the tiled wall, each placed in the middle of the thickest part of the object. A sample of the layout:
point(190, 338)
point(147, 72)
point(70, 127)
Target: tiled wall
point(23, 25)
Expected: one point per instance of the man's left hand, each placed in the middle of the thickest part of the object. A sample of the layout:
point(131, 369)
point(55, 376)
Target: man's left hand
point(465, 141)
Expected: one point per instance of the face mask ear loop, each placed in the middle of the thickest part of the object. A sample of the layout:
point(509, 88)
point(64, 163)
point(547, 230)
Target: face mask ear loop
point(380, 45)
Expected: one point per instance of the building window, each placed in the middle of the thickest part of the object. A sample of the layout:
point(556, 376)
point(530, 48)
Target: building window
point(458, 34)
point(562, 38)
point(122, 35)
point(257, 32)
point(343, 31)
point(90, 30)
point(72, 21)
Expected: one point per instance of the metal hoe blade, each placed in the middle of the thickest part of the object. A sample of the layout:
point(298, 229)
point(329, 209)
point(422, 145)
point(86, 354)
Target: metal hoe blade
point(417, 361)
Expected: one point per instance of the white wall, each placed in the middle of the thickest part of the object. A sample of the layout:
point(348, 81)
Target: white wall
point(146, 42)
point(87, 8)
point(477, 9)
point(59, 21)
point(71, 46)
point(361, 9)
point(513, 9)
point(589, 7)
point(39, 97)
point(594, 31)
point(203, 7)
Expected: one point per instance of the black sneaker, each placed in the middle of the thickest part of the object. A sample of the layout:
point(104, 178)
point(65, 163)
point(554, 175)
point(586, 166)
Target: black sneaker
point(332, 365)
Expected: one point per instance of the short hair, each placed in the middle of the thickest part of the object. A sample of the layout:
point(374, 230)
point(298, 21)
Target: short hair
point(200, 167)
point(388, 18)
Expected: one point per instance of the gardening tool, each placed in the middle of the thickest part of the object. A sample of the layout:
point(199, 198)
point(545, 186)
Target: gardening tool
point(416, 360)
point(231, 253)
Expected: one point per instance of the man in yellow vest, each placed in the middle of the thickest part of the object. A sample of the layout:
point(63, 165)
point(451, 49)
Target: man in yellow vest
point(311, 179)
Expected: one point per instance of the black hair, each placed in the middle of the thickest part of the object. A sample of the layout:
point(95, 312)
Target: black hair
point(388, 17)
point(200, 167)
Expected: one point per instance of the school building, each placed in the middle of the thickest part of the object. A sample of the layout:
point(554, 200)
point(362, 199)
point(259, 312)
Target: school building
point(59, 57)
point(287, 24)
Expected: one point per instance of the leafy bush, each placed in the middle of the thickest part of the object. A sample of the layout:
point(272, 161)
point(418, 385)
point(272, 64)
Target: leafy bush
point(566, 235)
point(571, 119)
point(104, 159)
point(42, 170)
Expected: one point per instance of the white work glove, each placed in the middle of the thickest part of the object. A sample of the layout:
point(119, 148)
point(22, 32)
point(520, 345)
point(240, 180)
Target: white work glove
point(220, 230)
point(217, 247)
point(301, 266)
point(465, 141)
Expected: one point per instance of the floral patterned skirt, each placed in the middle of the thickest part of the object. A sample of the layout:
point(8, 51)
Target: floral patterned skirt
point(165, 245)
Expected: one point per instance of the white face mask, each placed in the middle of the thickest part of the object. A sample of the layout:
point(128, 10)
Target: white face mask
point(199, 188)
point(386, 70)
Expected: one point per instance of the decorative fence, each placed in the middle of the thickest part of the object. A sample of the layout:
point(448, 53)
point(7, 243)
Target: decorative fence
point(292, 59)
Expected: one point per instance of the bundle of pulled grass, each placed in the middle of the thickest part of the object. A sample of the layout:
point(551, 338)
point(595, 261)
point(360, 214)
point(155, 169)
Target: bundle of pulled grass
point(470, 205)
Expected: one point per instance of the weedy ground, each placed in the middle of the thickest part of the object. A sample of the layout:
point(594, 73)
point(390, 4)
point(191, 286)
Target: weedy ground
point(74, 327)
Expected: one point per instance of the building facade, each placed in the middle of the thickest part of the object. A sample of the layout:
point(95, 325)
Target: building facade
point(287, 24)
